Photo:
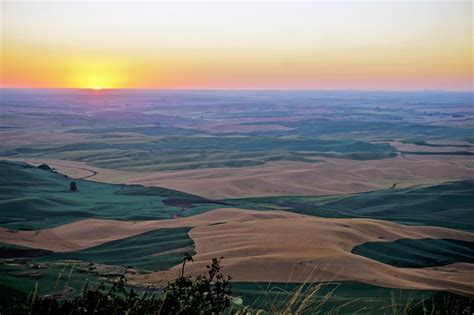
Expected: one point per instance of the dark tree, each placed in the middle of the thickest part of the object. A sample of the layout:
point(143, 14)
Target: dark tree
point(73, 186)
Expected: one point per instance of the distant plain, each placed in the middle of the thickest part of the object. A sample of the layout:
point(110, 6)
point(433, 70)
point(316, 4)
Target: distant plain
point(288, 186)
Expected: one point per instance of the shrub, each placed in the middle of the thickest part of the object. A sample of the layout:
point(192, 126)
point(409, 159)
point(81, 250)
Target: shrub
point(45, 167)
point(204, 294)
point(73, 186)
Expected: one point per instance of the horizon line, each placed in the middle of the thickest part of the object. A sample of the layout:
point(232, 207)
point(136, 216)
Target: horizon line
point(240, 89)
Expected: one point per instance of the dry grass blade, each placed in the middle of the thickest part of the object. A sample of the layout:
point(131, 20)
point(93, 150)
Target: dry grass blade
point(393, 305)
point(33, 296)
point(308, 300)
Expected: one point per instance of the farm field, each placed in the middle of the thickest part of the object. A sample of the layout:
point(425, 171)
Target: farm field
point(365, 194)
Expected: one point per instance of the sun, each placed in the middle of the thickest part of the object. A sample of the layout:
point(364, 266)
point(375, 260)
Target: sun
point(96, 88)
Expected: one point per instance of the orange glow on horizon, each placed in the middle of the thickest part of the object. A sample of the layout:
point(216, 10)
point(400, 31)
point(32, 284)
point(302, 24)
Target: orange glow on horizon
point(290, 46)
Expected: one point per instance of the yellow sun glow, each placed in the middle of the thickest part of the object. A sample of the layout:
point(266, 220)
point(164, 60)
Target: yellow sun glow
point(96, 73)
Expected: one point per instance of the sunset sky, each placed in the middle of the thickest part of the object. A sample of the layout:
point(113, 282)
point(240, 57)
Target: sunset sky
point(341, 45)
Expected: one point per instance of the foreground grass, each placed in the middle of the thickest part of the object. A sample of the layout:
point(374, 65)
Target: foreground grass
point(213, 294)
point(316, 298)
point(208, 294)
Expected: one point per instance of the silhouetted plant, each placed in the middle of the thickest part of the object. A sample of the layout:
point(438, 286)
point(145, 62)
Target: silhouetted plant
point(201, 295)
point(205, 294)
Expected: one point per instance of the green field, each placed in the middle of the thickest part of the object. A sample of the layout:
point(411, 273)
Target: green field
point(193, 152)
point(151, 251)
point(447, 205)
point(21, 280)
point(418, 253)
point(45, 200)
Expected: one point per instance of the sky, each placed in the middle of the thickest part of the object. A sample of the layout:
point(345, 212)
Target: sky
point(388, 45)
